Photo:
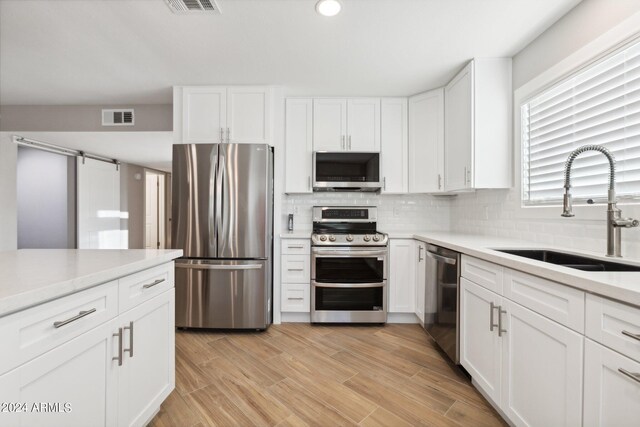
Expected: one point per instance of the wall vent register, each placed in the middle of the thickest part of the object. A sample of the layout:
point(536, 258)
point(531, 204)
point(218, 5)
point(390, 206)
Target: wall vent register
point(124, 117)
point(193, 6)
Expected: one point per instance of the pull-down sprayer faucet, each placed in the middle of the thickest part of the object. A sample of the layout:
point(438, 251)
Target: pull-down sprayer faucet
point(614, 215)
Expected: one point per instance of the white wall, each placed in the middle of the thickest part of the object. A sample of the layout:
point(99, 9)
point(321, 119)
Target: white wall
point(591, 28)
point(8, 193)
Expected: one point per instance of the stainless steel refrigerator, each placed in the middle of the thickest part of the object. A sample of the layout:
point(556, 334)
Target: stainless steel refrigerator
point(222, 203)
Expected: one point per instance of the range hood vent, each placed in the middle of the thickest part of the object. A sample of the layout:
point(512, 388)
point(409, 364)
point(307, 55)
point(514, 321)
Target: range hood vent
point(193, 6)
point(123, 117)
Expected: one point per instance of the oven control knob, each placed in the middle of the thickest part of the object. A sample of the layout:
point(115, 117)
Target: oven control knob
point(349, 238)
point(366, 238)
point(332, 238)
point(323, 238)
point(376, 238)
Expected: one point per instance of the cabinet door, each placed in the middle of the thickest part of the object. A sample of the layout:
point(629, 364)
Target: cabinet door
point(363, 124)
point(299, 145)
point(421, 277)
point(402, 276)
point(394, 145)
point(249, 115)
point(426, 142)
point(80, 374)
point(480, 345)
point(541, 370)
point(329, 124)
point(204, 114)
point(611, 397)
point(147, 374)
point(458, 131)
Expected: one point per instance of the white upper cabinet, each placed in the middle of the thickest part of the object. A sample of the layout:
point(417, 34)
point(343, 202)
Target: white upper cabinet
point(341, 124)
point(299, 145)
point(204, 114)
point(426, 142)
point(212, 114)
point(478, 126)
point(329, 124)
point(394, 144)
point(363, 124)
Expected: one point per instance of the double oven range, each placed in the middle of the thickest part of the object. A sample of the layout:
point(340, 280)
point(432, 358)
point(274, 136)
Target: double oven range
point(348, 266)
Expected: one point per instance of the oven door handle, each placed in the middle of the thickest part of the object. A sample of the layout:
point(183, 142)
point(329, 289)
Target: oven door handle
point(349, 285)
point(348, 253)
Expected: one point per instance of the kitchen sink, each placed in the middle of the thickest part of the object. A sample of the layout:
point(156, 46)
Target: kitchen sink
point(569, 260)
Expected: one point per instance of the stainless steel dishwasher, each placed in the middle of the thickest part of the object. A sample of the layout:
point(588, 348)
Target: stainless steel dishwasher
point(442, 299)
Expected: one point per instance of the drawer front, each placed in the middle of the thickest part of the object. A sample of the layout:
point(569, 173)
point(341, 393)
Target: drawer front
point(296, 297)
point(614, 325)
point(295, 268)
point(32, 332)
point(296, 246)
point(483, 273)
point(144, 285)
point(560, 303)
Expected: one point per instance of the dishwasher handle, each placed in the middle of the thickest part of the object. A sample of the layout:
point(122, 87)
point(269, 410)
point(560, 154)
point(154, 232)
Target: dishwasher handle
point(440, 258)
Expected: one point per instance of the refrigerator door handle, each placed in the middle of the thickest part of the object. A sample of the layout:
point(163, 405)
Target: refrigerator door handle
point(219, 198)
point(220, 266)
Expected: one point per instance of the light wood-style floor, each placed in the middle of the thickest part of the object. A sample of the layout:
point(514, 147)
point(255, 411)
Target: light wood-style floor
point(299, 374)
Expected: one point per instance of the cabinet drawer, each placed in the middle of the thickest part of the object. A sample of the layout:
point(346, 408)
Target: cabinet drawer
point(295, 268)
point(296, 246)
point(32, 332)
point(144, 285)
point(295, 297)
point(561, 303)
point(614, 325)
point(482, 273)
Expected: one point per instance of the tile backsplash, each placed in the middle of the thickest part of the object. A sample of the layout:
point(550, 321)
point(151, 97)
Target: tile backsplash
point(494, 213)
point(395, 212)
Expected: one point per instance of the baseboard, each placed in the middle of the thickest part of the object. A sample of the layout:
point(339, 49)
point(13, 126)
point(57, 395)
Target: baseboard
point(391, 318)
point(295, 317)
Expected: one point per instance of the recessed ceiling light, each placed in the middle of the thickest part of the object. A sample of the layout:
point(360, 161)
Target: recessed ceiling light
point(328, 7)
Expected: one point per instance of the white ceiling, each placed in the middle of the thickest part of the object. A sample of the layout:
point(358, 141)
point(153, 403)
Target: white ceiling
point(133, 51)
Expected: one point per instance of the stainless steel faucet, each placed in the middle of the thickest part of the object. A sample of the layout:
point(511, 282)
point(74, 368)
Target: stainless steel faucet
point(614, 215)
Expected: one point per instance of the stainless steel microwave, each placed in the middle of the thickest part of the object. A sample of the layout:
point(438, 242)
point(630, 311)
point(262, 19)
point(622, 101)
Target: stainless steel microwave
point(342, 171)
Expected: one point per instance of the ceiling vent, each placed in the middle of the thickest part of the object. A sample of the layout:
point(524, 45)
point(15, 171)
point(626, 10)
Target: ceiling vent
point(193, 6)
point(118, 117)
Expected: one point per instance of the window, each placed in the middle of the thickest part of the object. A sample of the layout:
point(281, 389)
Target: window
point(597, 105)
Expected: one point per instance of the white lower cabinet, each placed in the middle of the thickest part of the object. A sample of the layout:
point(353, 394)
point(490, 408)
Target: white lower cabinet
point(541, 369)
point(295, 271)
point(147, 374)
point(402, 276)
point(480, 345)
point(80, 374)
point(611, 388)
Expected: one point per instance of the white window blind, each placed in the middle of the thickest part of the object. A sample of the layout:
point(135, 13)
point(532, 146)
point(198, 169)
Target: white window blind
point(597, 105)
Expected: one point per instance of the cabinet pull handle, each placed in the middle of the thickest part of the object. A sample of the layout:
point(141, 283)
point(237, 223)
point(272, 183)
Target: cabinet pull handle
point(228, 135)
point(420, 249)
point(221, 135)
point(295, 269)
point(309, 182)
point(296, 298)
point(130, 349)
point(439, 182)
point(631, 335)
point(295, 246)
point(343, 144)
point(384, 183)
point(465, 175)
point(633, 375)
point(491, 324)
point(119, 356)
point(500, 313)
point(152, 284)
point(349, 142)
point(80, 315)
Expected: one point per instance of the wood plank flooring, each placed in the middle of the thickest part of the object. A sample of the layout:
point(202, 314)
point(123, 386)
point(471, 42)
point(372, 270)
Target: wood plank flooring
point(307, 375)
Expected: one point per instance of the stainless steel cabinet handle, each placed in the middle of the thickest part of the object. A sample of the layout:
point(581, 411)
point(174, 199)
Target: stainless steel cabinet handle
point(220, 267)
point(349, 142)
point(295, 247)
point(130, 349)
point(633, 375)
point(465, 175)
point(152, 284)
point(221, 135)
point(500, 313)
point(439, 182)
point(631, 335)
point(343, 144)
point(228, 135)
point(384, 183)
point(295, 298)
point(295, 269)
point(491, 324)
point(420, 249)
point(119, 356)
point(446, 260)
point(309, 182)
point(74, 318)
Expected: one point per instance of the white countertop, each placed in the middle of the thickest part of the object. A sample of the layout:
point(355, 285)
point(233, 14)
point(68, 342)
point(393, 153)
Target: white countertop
point(623, 286)
point(33, 276)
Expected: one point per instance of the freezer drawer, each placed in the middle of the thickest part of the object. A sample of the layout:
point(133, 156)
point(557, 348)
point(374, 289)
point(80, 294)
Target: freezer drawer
point(224, 294)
